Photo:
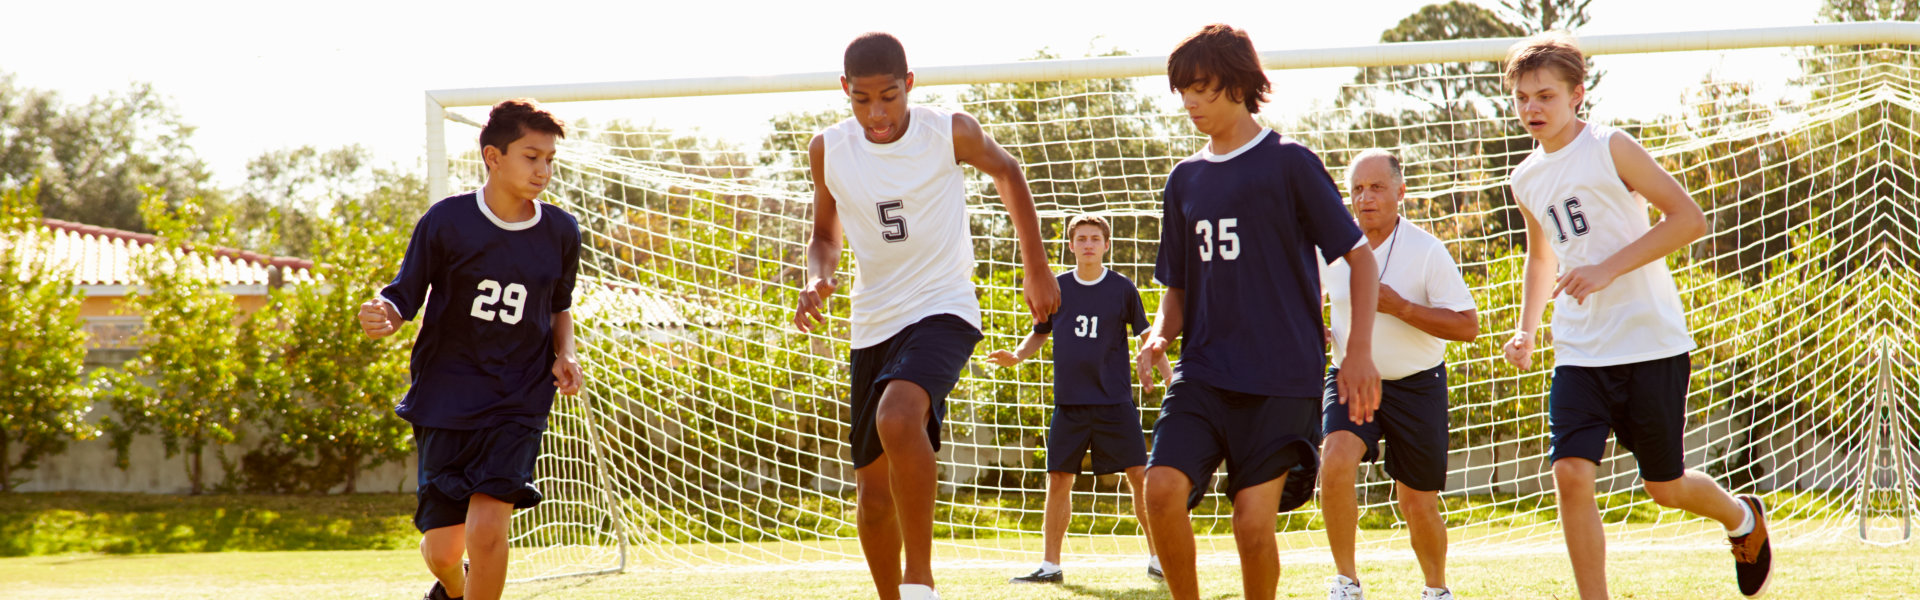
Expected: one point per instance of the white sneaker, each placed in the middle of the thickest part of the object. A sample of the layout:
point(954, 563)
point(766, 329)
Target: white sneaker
point(1436, 594)
point(1341, 588)
point(915, 591)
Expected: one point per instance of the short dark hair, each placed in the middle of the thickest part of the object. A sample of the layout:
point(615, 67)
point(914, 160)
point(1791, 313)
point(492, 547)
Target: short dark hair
point(1552, 50)
point(512, 119)
point(1225, 57)
point(876, 53)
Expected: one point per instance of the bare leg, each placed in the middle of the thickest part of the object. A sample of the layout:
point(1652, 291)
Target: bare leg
point(1255, 512)
point(1580, 523)
point(1137, 483)
point(443, 548)
point(879, 530)
point(1339, 465)
point(1167, 490)
point(1428, 530)
point(1058, 514)
point(902, 423)
point(1699, 494)
point(487, 522)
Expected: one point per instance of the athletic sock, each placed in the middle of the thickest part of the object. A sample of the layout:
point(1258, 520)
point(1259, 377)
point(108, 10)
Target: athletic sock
point(1746, 523)
point(1154, 562)
point(1048, 568)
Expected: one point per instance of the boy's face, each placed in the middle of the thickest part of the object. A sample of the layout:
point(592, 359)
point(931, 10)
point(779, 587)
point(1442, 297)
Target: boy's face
point(879, 104)
point(526, 165)
point(1376, 196)
point(1212, 110)
point(1088, 244)
point(1546, 102)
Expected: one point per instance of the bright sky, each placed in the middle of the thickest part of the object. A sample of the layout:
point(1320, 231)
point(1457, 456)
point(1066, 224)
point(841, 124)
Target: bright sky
point(259, 76)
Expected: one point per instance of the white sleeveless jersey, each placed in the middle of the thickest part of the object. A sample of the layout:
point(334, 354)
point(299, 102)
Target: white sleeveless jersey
point(1588, 214)
point(903, 206)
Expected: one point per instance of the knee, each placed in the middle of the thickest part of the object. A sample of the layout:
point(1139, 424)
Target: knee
point(875, 502)
point(441, 557)
point(1341, 455)
point(896, 423)
point(1572, 471)
point(1167, 491)
point(1420, 507)
point(1060, 481)
point(1253, 532)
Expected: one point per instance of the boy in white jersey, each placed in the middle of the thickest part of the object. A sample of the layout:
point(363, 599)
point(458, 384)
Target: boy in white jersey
point(1620, 336)
point(1423, 303)
point(894, 173)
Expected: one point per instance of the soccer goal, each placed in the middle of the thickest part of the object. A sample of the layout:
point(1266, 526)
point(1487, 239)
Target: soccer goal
point(713, 433)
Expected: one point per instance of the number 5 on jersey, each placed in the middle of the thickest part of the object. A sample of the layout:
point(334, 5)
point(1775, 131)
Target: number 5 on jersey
point(491, 292)
point(1229, 241)
point(897, 225)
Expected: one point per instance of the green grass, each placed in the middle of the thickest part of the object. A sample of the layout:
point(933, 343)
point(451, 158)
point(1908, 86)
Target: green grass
point(69, 522)
point(1836, 569)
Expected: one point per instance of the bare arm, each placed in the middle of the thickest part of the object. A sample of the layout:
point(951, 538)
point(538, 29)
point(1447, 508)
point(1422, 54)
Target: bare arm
point(1456, 325)
point(973, 146)
point(1681, 221)
point(1535, 291)
point(567, 374)
point(1359, 380)
point(1154, 343)
point(1028, 347)
point(823, 248)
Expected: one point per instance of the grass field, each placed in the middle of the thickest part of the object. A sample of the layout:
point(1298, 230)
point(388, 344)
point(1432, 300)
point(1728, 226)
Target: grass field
point(1832, 570)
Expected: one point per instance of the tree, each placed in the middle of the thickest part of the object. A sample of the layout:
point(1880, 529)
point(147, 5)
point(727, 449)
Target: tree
point(325, 391)
point(43, 399)
point(184, 385)
point(289, 192)
point(94, 159)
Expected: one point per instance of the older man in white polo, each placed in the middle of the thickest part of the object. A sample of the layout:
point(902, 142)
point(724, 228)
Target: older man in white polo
point(1423, 303)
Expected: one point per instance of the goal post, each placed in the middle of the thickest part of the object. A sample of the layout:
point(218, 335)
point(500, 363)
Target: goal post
point(712, 433)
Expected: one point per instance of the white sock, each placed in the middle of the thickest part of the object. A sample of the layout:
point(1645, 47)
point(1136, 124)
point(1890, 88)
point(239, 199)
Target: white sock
point(1154, 562)
point(1048, 568)
point(1746, 523)
point(915, 591)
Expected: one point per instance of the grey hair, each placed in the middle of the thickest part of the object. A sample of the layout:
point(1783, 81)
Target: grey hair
point(1393, 163)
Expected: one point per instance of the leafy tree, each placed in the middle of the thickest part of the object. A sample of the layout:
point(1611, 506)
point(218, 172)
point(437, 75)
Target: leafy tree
point(94, 159)
point(184, 385)
point(289, 193)
point(43, 399)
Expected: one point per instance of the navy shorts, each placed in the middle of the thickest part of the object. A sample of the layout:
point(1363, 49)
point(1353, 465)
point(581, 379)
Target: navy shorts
point(1413, 419)
point(1260, 438)
point(930, 353)
point(1644, 404)
point(1111, 431)
point(455, 464)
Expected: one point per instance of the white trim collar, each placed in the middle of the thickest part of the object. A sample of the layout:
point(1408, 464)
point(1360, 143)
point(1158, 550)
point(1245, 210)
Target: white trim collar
point(1206, 151)
point(480, 196)
point(1096, 280)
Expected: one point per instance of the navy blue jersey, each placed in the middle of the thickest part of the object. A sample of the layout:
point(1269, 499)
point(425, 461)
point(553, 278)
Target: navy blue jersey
point(1238, 235)
point(485, 352)
point(1090, 362)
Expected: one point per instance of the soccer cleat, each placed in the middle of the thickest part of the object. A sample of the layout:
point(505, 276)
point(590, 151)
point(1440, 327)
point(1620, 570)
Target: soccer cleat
point(1041, 576)
point(1155, 574)
point(437, 592)
point(1339, 587)
point(1436, 594)
point(1753, 553)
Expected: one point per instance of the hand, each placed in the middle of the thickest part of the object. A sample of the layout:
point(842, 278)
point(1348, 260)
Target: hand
point(567, 375)
point(813, 297)
point(1153, 355)
point(1584, 281)
point(1003, 358)
point(1359, 387)
point(377, 319)
point(1390, 301)
point(1042, 293)
point(1519, 350)
point(1327, 334)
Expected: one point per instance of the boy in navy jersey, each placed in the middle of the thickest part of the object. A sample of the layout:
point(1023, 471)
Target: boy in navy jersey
point(889, 180)
point(1241, 222)
point(1621, 343)
point(1092, 393)
point(495, 344)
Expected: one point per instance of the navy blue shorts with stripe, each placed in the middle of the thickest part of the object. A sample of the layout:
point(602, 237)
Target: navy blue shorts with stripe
point(1413, 420)
point(1110, 431)
point(455, 464)
point(1259, 438)
point(1643, 404)
point(930, 353)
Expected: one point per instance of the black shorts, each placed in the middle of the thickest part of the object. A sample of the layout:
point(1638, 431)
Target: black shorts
point(455, 464)
point(1412, 417)
point(1260, 438)
point(1111, 431)
point(1643, 403)
point(930, 353)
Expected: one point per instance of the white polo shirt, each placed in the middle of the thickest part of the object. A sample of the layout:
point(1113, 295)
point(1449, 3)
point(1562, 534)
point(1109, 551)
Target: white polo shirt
point(1417, 266)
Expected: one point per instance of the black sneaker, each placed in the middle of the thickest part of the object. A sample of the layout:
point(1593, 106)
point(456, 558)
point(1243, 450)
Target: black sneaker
point(439, 592)
point(1039, 576)
point(1154, 573)
point(1753, 553)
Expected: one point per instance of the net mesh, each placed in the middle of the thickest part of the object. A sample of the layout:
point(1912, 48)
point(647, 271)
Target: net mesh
point(713, 433)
